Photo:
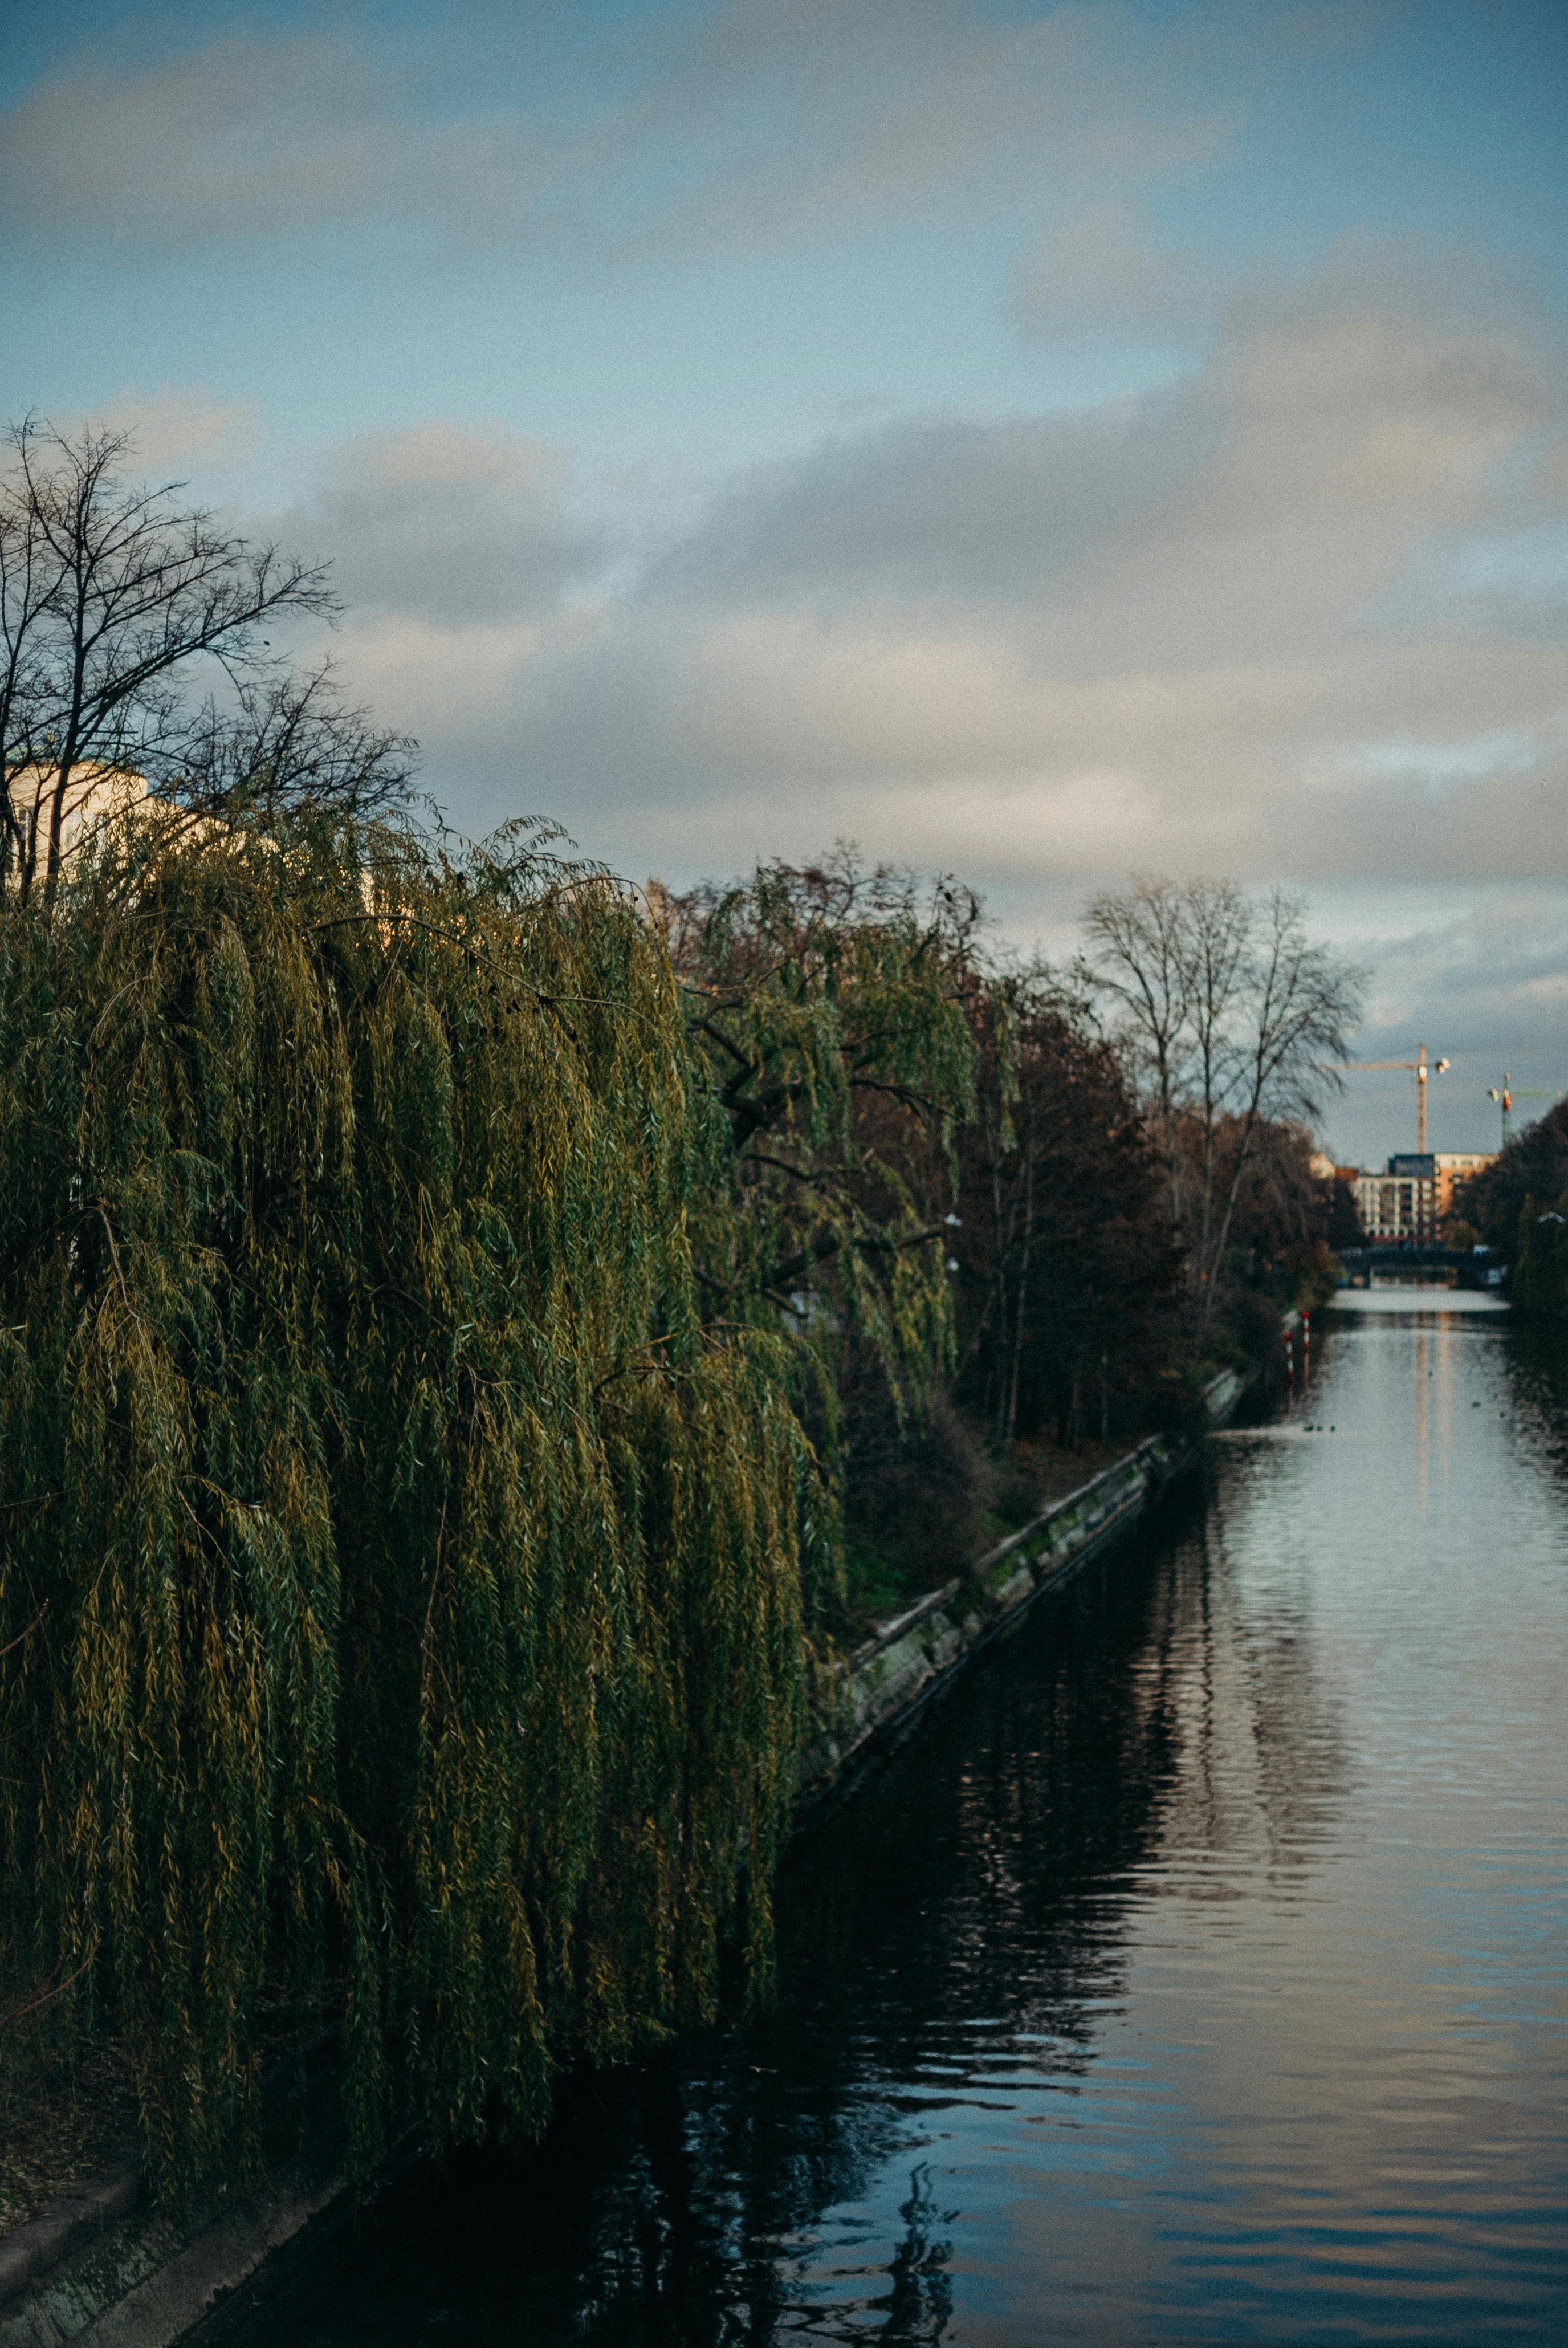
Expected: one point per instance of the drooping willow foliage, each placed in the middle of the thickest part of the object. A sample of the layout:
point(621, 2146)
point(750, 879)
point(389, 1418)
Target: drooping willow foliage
point(833, 1006)
point(399, 1579)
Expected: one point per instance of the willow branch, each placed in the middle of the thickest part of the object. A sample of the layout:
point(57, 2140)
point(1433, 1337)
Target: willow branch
point(31, 1625)
point(44, 1996)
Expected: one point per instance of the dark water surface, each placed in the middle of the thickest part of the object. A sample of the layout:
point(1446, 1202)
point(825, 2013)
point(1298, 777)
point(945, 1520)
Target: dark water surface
point(1201, 1973)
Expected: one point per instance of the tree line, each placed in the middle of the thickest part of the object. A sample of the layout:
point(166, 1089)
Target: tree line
point(477, 1340)
point(1518, 1207)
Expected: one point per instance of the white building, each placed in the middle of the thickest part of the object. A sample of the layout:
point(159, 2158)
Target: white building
point(1416, 1195)
point(1400, 1204)
point(97, 799)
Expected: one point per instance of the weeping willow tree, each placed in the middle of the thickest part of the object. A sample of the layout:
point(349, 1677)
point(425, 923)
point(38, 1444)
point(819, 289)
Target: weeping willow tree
point(400, 1580)
point(831, 1005)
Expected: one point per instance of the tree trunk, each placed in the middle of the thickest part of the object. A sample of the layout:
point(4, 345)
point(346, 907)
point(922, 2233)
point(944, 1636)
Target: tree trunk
point(1011, 1426)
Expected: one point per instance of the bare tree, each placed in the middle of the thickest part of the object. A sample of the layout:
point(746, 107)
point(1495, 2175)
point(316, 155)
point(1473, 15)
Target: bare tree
point(1140, 961)
point(118, 604)
point(284, 741)
point(1230, 1011)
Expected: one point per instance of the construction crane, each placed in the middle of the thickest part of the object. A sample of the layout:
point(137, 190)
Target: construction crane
point(1419, 1066)
point(1505, 1098)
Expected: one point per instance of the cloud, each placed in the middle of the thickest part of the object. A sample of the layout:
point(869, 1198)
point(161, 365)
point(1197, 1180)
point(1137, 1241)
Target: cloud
point(809, 113)
point(1334, 426)
point(248, 137)
point(177, 430)
point(449, 527)
point(1168, 629)
point(735, 127)
point(1103, 273)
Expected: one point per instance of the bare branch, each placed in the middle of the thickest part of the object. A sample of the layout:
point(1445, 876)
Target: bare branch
point(1228, 1011)
point(115, 601)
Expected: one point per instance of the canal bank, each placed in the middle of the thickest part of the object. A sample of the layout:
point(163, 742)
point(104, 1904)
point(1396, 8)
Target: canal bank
point(103, 2266)
point(1199, 1975)
point(877, 1696)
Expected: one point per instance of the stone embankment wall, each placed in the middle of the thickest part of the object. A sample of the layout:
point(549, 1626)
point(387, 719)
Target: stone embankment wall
point(105, 2269)
point(875, 1698)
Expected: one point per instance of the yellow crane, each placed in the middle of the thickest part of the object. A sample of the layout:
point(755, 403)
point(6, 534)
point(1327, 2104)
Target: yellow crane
point(1420, 1069)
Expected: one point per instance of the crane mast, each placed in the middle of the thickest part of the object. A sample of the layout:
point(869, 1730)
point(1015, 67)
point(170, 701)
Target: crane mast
point(1419, 1069)
point(1505, 1095)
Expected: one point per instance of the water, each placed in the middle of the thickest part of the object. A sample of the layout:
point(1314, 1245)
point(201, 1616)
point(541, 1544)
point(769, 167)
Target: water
point(1199, 1975)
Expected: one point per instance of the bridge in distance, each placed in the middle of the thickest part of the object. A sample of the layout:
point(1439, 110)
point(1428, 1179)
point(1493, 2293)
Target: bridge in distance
point(1361, 1262)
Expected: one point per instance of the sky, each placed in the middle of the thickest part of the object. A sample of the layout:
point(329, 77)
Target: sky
point(1038, 443)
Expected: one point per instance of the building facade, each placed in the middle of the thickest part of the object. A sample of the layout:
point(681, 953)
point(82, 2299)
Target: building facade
point(96, 799)
point(1402, 1204)
point(1454, 1167)
point(1414, 1199)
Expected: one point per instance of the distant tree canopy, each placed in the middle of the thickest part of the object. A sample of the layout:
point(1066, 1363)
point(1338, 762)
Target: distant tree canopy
point(1519, 1206)
point(1232, 1019)
point(1069, 1264)
point(1533, 1166)
point(1283, 1213)
point(1344, 1226)
point(1538, 1289)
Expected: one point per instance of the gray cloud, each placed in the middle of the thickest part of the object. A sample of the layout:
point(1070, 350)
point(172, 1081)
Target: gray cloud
point(448, 526)
point(1172, 631)
point(179, 428)
point(732, 126)
point(1331, 428)
point(249, 137)
point(1103, 273)
point(846, 109)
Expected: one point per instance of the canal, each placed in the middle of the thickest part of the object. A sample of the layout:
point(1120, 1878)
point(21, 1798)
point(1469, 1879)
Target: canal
point(1200, 1973)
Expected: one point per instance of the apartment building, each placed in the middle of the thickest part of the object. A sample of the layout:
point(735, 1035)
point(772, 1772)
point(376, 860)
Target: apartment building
point(1454, 1167)
point(1401, 1204)
point(1415, 1198)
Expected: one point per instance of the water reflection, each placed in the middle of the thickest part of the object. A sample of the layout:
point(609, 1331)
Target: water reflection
point(1199, 1975)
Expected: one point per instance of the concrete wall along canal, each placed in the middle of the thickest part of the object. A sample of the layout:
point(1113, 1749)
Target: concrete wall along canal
point(875, 1698)
point(103, 2267)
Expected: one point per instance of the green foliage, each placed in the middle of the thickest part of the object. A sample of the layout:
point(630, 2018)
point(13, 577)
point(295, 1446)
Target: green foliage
point(1538, 1288)
point(400, 1596)
point(829, 1005)
point(1534, 1165)
point(442, 1312)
